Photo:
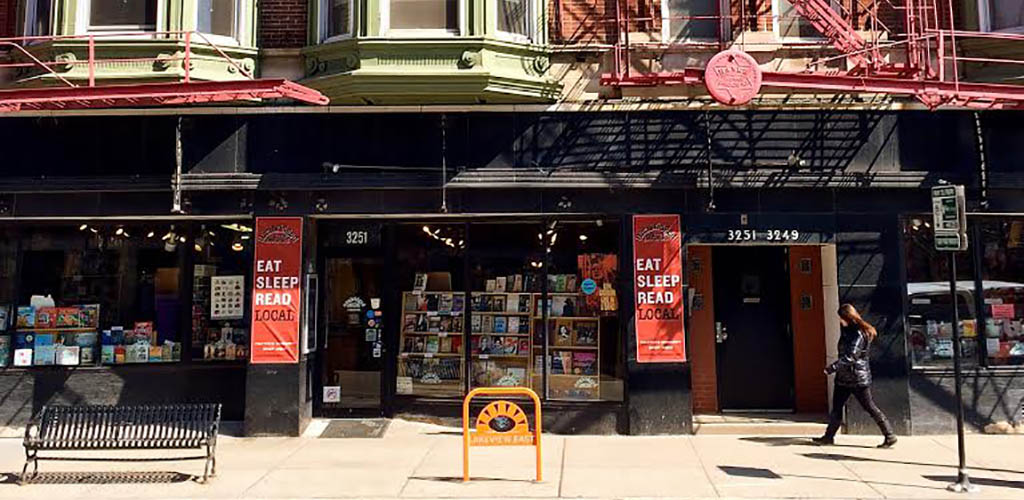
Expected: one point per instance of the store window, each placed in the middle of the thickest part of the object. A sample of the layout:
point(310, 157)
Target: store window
point(218, 17)
point(928, 299)
point(688, 20)
point(515, 18)
point(423, 15)
point(221, 291)
point(431, 359)
point(138, 15)
point(111, 294)
point(1002, 273)
point(580, 323)
point(38, 17)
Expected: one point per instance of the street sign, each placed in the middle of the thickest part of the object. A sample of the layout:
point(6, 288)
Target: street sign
point(949, 216)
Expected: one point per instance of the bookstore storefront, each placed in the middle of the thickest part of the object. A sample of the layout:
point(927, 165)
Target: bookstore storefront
point(120, 312)
point(420, 312)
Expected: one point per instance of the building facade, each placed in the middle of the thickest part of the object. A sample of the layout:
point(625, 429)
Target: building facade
point(479, 161)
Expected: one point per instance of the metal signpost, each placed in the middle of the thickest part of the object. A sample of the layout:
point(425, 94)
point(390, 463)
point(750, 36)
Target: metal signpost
point(950, 222)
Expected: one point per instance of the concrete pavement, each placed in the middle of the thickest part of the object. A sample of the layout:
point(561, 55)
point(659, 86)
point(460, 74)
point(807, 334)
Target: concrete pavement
point(421, 462)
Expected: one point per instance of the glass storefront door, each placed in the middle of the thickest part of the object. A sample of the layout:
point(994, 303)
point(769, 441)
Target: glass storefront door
point(352, 358)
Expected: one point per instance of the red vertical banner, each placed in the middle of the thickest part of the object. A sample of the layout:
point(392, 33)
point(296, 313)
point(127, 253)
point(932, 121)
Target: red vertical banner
point(276, 296)
point(658, 284)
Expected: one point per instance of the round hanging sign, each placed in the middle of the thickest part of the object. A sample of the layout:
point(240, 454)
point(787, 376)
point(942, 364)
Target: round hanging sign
point(588, 286)
point(733, 77)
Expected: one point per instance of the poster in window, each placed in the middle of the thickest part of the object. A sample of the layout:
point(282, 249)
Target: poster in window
point(227, 297)
point(276, 290)
point(658, 274)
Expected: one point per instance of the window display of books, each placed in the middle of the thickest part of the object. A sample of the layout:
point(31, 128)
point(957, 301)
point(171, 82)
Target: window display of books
point(46, 336)
point(430, 360)
point(138, 345)
point(574, 371)
point(500, 333)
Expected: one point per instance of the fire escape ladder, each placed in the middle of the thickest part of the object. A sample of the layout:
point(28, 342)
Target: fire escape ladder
point(834, 27)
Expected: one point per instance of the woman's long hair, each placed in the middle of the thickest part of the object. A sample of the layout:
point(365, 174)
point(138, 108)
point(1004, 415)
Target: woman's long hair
point(851, 316)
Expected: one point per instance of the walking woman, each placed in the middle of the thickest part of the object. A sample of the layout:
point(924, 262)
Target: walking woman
point(853, 375)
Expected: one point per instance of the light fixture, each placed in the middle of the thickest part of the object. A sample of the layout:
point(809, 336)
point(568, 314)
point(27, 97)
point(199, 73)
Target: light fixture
point(151, 234)
point(181, 239)
point(83, 227)
point(426, 229)
point(583, 237)
point(554, 238)
point(599, 223)
point(94, 230)
point(120, 231)
point(237, 246)
point(198, 247)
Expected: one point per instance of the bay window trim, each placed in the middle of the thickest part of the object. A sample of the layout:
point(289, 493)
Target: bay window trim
point(241, 13)
point(84, 26)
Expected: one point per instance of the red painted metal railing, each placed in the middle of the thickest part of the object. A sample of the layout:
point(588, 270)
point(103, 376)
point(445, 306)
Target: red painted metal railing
point(47, 83)
point(920, 56)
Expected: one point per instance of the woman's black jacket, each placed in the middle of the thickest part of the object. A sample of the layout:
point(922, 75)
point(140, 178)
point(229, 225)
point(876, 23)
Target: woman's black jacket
point(853, 368)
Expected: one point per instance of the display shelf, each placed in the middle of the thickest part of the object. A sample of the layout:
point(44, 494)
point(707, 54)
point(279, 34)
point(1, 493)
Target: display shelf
point(442, 334)
point(499, 334)
point(500, 313)
point(436, 313)
point(430, 354)
point(524, 357)
point(569, 348)
point(570, 318)
point(57, 330)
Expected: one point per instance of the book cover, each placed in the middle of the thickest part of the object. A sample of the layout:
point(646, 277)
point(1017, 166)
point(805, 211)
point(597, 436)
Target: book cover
point(446, 345)
point(501, 283)
point(511, 345)
point(568, 305)
point(558, 363)
point(107, 354)
point(446, 324)
point(137, 353)
point(5, 317)
point(571, 283)
point(524, 326)
point(490, 285)
point(478, 303)
point(446, 303)
point(499, 303)
point(560, 283)
point(518, 284)
point(23, 357)
point(433, 301)
point(538, 363)
point(500, 324)
point(421, 303)
point(476, 323)
point(419, 283)
point(409, 344)
point(410, 301)
point(458, 303)
point(483, 345)
point(457, 324)
point(433, 344)
point(44, 355)
point(24, 340)
point(586, 333)
point(456, 345)
point(5, 350)
point(67, 317)
point(67, 355)
point(433, 324)
point(524, 346)
point(87, 355)
point(26, 318)
point(409, 323)
point(44, 339)
point(584, 363)
point(89, 315)
point(524, 303)
point(119, 354)
point(46, 317)
point(488, 324)
point(156, 354)
point(513, 324)
point(474, 345)
point(562, 333)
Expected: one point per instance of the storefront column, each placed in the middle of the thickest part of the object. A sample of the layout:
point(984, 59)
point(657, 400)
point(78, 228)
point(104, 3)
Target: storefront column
point(658, 394)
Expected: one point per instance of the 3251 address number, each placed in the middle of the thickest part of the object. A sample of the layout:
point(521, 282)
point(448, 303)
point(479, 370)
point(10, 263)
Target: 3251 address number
point(741, 235)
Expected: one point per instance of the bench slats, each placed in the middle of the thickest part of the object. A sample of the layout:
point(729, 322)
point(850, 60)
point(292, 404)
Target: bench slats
point(125, 427)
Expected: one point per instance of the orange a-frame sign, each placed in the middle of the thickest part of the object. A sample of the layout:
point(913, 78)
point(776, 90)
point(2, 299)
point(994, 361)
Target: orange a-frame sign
point(501, 423)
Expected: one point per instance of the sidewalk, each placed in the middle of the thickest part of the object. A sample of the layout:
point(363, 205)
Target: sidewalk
point(421, 461)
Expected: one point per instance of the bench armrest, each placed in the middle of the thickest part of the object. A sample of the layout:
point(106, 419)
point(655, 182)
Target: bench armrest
point(31, 431)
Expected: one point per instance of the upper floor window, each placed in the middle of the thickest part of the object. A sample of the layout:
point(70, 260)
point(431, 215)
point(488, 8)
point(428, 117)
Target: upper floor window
point(1001, 15)
point(515, 18)
point(418, 16)
point(691, 20)
point(336, 18)
point(790, 25)
point(121, 15)
point(218, 17)
point(38, 17)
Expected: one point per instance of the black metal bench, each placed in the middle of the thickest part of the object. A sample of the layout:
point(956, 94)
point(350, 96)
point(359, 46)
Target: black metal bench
point(163, 427)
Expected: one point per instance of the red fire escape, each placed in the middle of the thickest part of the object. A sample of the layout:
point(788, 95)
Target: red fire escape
point(921, 58)
point(46, 82)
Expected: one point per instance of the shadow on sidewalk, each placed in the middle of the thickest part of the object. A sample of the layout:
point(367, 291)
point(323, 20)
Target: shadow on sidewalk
point(851, 458)
point(794, 441)
point(453, 479)
point(139, 477)
point(980, 481)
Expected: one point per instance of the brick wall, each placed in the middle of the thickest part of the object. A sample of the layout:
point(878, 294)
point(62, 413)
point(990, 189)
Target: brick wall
point(7, 18)
point(282, 24)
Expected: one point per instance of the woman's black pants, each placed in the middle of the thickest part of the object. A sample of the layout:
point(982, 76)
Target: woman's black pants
point(841, 394)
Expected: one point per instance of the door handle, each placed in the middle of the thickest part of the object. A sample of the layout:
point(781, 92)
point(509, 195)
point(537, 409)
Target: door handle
point(721, 334)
